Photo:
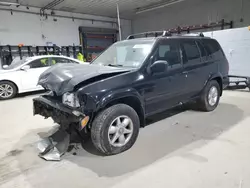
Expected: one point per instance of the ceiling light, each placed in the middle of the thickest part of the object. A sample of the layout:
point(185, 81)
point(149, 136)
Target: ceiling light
point(154, 7)
point(8, 3)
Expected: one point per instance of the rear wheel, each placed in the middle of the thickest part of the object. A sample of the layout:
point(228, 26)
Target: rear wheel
point(115, 129)
point(8, 90)
point(210, 96)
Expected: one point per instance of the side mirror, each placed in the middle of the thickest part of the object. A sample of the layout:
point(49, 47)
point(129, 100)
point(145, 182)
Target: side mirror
point(5, 66)
point(25, 67)
point(159, 66)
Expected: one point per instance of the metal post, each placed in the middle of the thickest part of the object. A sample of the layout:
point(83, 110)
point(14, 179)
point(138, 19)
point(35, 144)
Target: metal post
point(222, 24)
point(37, 50)
point(231, 24)
point(119, 22)
point(1, 57)
point(20, 52)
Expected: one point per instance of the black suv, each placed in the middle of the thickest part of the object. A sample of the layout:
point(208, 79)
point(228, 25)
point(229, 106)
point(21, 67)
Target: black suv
point(131, 80)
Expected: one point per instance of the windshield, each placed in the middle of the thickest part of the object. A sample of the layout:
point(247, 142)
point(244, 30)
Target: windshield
point(16, 63)
point(125, 54)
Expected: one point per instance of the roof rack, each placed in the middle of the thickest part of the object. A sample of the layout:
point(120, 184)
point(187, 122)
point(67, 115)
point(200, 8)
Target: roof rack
point(194, 34)
point(150, 34)
point(161, 33)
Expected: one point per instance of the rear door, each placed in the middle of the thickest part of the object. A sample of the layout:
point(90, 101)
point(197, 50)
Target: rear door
point(217, 56)
point(194, 68)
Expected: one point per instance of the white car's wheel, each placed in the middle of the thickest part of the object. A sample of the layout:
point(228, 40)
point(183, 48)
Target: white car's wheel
point(8, 90)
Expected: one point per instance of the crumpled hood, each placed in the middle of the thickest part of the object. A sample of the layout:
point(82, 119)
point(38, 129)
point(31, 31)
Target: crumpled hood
point(63, 78)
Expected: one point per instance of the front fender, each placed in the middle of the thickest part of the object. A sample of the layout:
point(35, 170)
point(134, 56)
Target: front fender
point(119, 94)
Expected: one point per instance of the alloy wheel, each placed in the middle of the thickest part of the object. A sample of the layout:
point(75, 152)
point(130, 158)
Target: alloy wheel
point(120, 131)
point(6, 91)
point(213, 96)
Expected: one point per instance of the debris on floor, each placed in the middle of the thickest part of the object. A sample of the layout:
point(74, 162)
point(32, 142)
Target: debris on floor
point(54, 146)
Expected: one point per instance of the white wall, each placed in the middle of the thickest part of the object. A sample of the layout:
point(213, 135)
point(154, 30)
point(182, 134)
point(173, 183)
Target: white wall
point(193, 12)
point(236, 45)
point(28, 28)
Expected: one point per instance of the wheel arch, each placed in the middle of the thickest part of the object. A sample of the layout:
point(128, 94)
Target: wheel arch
point(130, 100)
point(6, 80)
point(218, 78)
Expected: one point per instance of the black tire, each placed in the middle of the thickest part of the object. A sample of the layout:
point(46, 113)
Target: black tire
point(14, 89)
point(203, 103)
point(100, 127)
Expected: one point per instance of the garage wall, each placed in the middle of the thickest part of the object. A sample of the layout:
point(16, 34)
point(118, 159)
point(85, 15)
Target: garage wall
point(31, 29)
point(192, 12)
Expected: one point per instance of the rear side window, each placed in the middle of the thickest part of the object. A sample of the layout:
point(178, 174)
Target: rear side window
point(202, 49)
point(213, 48)
point(191, 53)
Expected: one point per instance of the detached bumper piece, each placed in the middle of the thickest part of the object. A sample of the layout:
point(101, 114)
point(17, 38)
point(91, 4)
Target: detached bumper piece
point(53, 147)
point(238, 82)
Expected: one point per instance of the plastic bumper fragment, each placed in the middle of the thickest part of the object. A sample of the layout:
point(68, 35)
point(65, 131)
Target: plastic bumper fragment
point(53, 147)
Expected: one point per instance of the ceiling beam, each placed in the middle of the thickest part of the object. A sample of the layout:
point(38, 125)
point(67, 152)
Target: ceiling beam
point(51, 5)
point(158, 5)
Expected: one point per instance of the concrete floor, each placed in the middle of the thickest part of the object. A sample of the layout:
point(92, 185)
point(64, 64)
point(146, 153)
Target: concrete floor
point(186, 150)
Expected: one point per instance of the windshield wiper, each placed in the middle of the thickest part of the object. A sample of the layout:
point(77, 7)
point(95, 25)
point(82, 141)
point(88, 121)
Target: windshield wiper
point(115, 65)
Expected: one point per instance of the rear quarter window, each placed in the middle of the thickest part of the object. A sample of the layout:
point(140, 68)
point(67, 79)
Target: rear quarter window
point(213, 48)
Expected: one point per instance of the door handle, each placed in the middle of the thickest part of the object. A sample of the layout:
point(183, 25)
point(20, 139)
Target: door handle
point(185, 72)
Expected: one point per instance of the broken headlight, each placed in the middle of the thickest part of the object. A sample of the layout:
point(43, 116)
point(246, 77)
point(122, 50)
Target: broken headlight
point(70, 99)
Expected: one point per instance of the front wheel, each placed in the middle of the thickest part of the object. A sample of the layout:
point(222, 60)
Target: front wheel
point(8, 90)
point(210, 96)
point(115, 129)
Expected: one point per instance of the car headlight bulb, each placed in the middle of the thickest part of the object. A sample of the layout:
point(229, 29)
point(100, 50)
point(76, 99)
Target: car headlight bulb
point(70, 99)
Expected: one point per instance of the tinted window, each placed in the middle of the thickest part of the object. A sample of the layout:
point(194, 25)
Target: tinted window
point(39, 63)
point(202, 49)
point(162, 50)
point(191, 50)
point(169, 51)
point(213, 47)
point(59, 60)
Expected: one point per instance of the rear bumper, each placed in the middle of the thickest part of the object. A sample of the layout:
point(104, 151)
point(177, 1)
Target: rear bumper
point(57, 111)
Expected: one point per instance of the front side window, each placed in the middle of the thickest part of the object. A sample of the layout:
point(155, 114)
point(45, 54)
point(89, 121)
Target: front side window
point(17, 63)
point(39, 63)
point(169, 51)
point(125, 54)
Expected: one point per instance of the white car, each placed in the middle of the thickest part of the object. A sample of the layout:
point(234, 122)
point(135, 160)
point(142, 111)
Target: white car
point(22, 76)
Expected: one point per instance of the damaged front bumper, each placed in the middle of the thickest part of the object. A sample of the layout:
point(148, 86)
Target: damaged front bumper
point(61, 114)
point(53, 147)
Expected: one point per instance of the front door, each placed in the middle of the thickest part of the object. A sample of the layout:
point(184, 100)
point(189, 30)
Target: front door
point(165, 90)
point(29, 77)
